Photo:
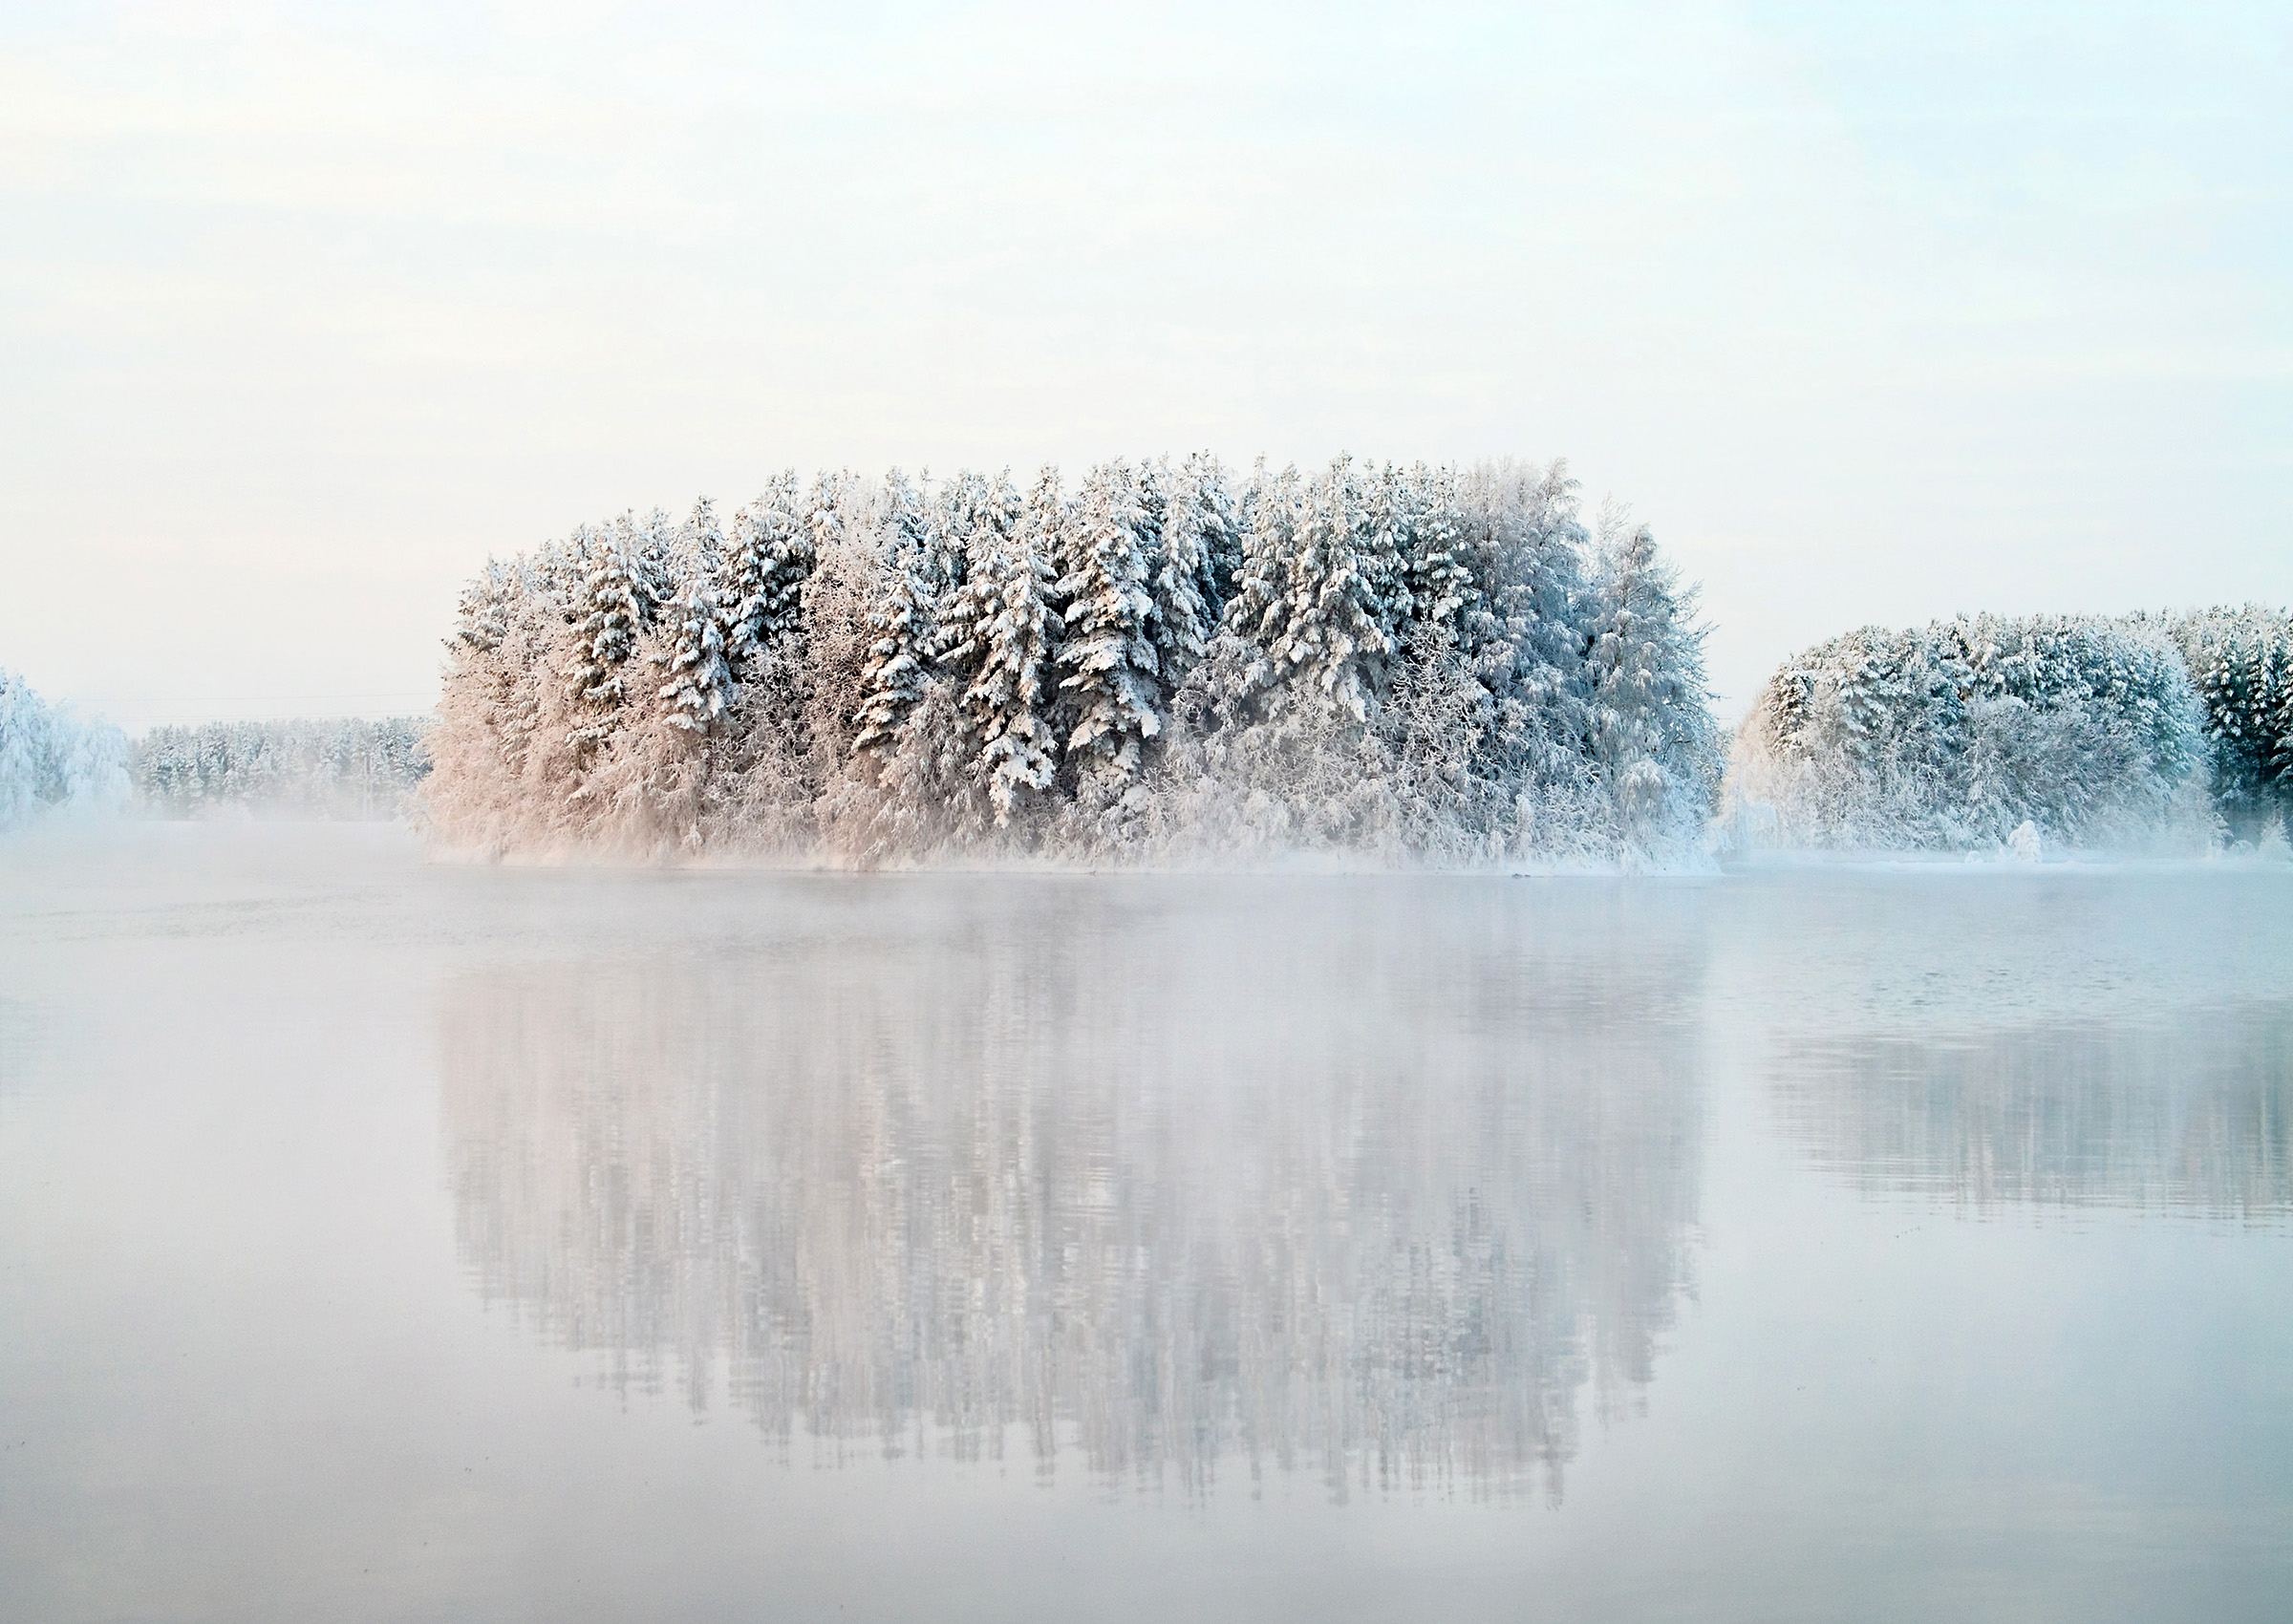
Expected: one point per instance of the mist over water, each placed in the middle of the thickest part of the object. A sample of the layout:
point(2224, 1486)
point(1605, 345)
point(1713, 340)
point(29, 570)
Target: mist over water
point(2103, 1039)
point(391, 1240)
point(1183, 1179)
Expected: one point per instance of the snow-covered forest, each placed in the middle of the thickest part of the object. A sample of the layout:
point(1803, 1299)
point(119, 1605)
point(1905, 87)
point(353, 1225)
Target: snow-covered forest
point(2241, 661)
point(324, 769)
point(50, 760)
point(1411, 664)
point(2093, 730)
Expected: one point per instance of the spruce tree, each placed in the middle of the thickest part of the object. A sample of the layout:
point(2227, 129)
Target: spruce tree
point(903, 620)
point(1524, 548)
point(700, 690)
point(1194, 527)
point(1338, 632)
point(620, 597)
point(1002, 632)
point(1652, 736)
point(1259, 612)
point(2241, 661)
point(1440, 578)
point(770, 553)
point(892, 678)
point(1110, 689)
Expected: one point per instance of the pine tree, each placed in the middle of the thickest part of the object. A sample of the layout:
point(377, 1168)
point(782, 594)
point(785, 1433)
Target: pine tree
point(1338, 628)
point(1397, 661)
point(481, 618)
point(1001, 636)
point(1110, 689)
point(1523, 549)
point(700, 690)
point(912, 538)
point(959, 507)
point(1259, 612)
point(771, 553)
point(619, 598)
point(2241, 661)
point(834, 511)
point(1195, 530)
point(653, 560)
point(903, 620)
point(1440, 578)
point(1653, 740)
point(892, 680)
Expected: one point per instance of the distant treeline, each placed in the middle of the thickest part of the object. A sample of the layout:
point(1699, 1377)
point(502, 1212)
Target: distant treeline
point(2096, 731)
point(1410, 664)
point(321, 769)
point(52, 760)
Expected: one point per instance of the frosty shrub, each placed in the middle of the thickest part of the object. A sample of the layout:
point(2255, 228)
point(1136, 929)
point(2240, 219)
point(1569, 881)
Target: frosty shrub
point(320, 769)
point(1158, 663)
point(1953, 736)
point(50, 760)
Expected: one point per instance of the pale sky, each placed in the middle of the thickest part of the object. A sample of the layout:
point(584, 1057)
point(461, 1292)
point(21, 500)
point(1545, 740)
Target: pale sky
point(1875, 313)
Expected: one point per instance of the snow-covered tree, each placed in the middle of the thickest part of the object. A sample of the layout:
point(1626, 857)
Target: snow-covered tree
point(2241, 661)
point(1653, 741)
point(1199, 546)
point(840, 599)
point(620, 597)
point(1257, 609)
point(52, 760)
point(892, 680)
point(320, 768)
point(769, 555)
point(1524, 549)
point(1400, 663)
point(1339, 589)
point(1954, 734)
point(699, 688)
point(904, 620)
point(1002, 632)
point(1420, 504)
point(1111, 692)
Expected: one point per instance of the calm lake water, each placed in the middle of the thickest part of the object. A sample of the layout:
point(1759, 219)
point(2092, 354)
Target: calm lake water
point(381, 1240)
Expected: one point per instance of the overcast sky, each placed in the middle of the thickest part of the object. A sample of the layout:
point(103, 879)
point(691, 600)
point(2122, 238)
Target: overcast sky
point(1875, 313)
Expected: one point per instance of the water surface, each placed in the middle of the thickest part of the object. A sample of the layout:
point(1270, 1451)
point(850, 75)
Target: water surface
point(386, 1240)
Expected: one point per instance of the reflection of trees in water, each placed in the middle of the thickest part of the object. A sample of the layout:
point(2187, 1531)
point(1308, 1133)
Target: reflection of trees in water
point(2118, 1041)
point(2195, 1115)
point(1369, 1180)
